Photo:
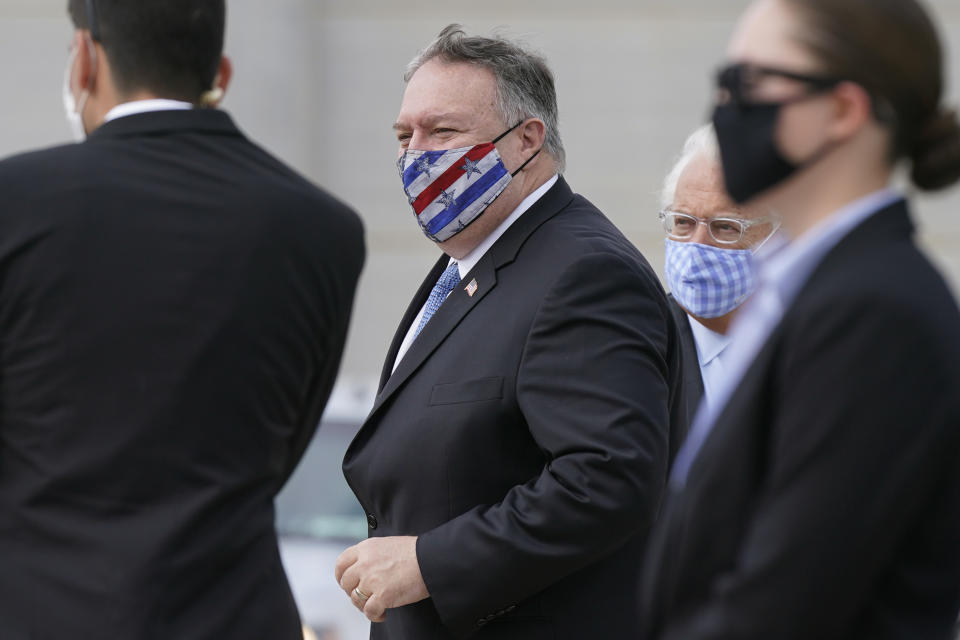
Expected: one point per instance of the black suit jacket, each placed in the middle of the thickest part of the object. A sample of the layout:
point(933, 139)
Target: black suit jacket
point(692, 376)
point(525, 435)
point(173, 304)
point(825, 502)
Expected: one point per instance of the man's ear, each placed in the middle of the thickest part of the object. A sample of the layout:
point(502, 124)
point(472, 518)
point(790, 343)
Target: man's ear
point(533, 133)
point(221, 82)
point(84, 73)
point(854, 109)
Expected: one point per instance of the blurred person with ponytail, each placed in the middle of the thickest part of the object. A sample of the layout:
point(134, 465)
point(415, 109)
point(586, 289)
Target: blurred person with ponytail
point(819, 496)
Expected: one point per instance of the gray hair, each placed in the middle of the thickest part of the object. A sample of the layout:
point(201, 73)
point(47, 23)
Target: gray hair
point(525, 85)
point(703, 141)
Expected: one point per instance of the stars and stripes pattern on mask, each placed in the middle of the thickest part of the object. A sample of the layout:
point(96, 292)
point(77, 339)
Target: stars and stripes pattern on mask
point(707, 281)
point(449, 189)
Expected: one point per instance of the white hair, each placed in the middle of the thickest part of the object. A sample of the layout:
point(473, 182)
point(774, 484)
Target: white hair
point(703, 141)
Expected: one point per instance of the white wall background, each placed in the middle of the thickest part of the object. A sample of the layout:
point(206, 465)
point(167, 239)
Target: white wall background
point(318, 82)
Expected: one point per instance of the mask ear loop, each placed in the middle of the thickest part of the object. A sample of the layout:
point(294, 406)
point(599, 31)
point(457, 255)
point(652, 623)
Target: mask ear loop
point(526, 163)
point(504, 134)
point(82, 102)
point(529, 160)
point(777, 223)
point(93, 35)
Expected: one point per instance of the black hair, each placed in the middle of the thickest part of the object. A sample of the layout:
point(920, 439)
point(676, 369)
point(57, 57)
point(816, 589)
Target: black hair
point(171, 48)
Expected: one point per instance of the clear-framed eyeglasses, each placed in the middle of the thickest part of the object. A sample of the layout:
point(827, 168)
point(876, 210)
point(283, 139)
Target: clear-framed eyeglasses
point(723, 229)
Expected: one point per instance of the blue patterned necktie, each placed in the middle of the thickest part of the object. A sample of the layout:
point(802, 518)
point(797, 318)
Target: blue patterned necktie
point(448, 282)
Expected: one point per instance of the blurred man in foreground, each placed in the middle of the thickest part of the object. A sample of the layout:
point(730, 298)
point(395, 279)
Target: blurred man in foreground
point(516, 454)
point(709, 260)
point(172, 313)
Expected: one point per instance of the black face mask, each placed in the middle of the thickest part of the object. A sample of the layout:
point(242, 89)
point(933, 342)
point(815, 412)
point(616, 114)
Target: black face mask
point(746, 133)
point(752, 163)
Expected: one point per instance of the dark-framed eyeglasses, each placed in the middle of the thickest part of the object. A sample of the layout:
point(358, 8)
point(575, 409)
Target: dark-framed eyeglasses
point(723, 229)
point(737, 83)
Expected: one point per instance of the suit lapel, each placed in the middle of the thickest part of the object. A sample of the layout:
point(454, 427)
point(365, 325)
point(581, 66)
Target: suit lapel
point(461, 302)
point(444, 321)
point(505, 250)
point(891, 224)
point(411, 314)
point(748, 402)
point(693, 380)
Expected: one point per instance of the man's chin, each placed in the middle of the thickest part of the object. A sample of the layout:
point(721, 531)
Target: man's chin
point(460, 245)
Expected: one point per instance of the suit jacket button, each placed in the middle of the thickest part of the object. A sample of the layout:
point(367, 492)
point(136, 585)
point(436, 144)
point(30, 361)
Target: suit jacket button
point(372, 521)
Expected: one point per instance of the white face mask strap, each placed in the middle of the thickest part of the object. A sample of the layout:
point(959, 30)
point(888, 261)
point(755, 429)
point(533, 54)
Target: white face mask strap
point(777, 222)
point(85, 93)
point(91, 47)
point(74, 108)
point(68, 72)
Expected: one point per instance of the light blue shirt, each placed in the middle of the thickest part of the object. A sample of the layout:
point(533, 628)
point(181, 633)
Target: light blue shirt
point(711, 354)
point(782, 274)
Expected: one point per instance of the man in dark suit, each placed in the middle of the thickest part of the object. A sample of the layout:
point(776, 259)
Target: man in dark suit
point(516, 454)
point(172, 313)
point(710, 247)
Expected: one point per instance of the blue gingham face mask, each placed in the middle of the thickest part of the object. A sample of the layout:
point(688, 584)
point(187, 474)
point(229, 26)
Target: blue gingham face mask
point(707, 281)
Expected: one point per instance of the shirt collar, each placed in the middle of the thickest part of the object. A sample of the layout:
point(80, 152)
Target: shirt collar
point(787, 267)
point(710, 344)
point(145, 106)
point(468, 262)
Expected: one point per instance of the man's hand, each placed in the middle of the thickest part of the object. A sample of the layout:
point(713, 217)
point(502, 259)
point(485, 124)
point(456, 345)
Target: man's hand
point(386, 571)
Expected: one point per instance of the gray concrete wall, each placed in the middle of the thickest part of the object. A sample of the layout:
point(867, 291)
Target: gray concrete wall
point(318, 82)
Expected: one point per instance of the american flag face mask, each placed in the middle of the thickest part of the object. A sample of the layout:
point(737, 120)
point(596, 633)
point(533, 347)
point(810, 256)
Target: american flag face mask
point(449, 188)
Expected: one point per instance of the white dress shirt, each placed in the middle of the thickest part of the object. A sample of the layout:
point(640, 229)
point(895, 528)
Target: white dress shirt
point(781, 276)
point(711, 350)
point(145, 106)
point(468, 262)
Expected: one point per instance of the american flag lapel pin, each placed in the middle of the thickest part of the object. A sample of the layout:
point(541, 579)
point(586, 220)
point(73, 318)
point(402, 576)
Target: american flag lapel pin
point(472, 287)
